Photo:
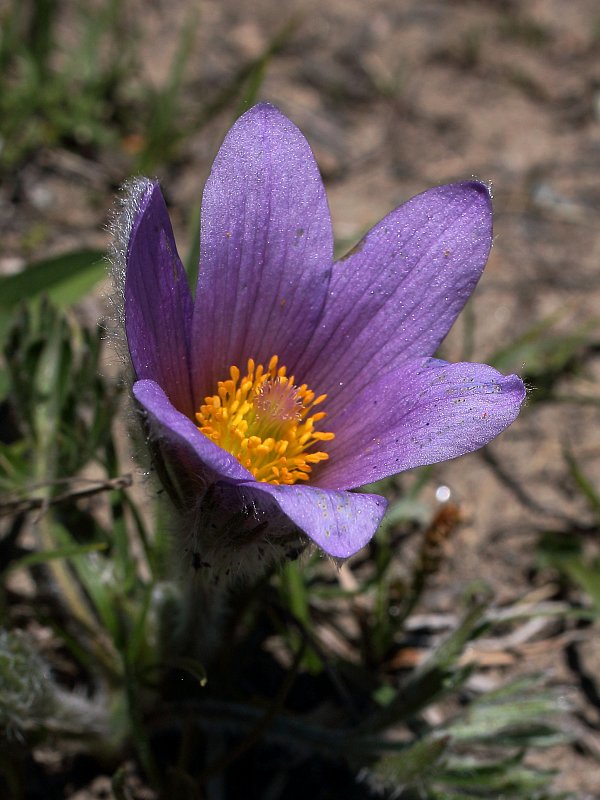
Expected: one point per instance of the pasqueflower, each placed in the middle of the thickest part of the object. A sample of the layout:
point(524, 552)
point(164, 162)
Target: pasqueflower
point(290, 380)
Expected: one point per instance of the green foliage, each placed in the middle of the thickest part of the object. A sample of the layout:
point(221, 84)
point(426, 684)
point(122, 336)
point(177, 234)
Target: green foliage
point(565, 551)
point(162, 661)
point(64, 279)
point(51, 91)
point(25, 695)
point(32, 702)
point(549, 356)
point(65, 407)
point(86, 91)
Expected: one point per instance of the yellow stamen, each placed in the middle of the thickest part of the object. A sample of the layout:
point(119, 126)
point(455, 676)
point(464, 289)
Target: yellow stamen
point(265, 421)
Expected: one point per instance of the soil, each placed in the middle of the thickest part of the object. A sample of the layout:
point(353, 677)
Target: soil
point(396, 96)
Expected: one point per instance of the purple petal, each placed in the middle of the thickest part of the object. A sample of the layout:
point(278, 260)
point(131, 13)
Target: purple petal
point(340, 523)
point(190, 457)
point(266, 249)
point(422, 413)
point(158, 303)
point(397, 294)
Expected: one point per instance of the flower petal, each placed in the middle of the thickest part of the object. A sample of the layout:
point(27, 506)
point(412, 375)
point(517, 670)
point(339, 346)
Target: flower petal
point(424, 412)
point(340, 523)
point(266, 249)
point(158, 303)
point(397, 294)
point(188, 460)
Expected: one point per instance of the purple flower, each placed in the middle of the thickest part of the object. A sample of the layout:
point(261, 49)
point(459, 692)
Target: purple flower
point(290, 379)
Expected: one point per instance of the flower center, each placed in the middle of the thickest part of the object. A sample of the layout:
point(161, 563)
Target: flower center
point(266, 422)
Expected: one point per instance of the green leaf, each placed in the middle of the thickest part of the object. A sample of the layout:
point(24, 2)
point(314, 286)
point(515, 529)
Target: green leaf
point(192, 261)
point(508, 775)
point(137, 628)
point(587, 576)
point(437, 676)
point(65, 408)
point(564, 553)
point(584, 484)
point(407, 509)
point(68, 551)
point(295, 595)
point(514, 718)
point(66, 278)
point(96, 577)
point(15, 467)
point(414, 764)
point(544, 356)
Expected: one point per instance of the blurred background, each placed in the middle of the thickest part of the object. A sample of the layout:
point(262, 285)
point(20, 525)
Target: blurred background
point(394, 96)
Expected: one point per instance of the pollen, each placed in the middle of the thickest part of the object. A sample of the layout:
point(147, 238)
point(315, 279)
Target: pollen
point(267, 422)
